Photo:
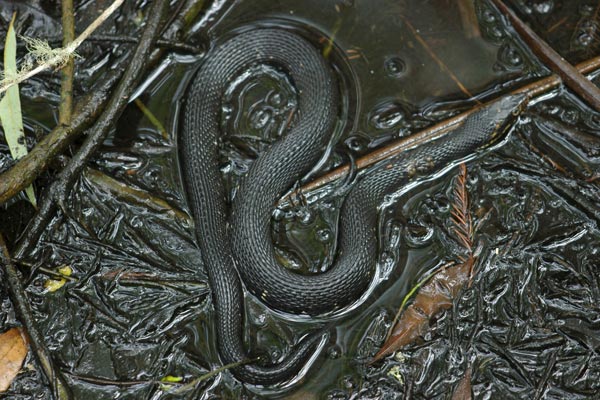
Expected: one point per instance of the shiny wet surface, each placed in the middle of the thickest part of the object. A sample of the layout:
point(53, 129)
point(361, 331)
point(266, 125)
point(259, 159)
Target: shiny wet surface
point(528, 327)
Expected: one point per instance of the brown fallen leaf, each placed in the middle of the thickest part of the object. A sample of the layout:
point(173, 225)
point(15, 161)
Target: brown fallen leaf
point(463, 389)
point(13, 349)
point(437, 294)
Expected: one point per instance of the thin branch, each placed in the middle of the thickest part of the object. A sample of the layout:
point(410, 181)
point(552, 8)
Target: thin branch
point(572, 78)
point(438, 130)
point(62, 54)
point(192, 384)
point(60, 188)
point(65, 108)
point(435, 58)
point(30, 166)
point(131, 195)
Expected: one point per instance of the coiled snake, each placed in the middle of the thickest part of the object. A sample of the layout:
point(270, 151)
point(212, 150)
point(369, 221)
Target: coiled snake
point(248, 240)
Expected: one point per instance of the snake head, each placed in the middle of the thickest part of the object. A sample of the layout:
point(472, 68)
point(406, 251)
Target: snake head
point(503, 112)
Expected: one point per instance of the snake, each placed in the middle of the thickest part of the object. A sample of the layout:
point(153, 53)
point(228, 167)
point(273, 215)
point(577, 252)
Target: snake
point(235, 241)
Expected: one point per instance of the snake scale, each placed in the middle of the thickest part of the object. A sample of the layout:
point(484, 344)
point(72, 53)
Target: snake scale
point(240, 245)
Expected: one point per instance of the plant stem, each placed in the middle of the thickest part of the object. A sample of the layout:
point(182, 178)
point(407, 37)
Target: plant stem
point(65, 108)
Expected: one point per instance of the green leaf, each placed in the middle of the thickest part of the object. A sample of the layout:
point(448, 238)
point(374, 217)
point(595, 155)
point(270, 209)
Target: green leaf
point(10, 105)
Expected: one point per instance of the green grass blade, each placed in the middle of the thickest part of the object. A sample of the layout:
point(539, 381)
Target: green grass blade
point(11, 116)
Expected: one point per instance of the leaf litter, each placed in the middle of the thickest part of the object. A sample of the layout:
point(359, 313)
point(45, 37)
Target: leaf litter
point(13, 350)
point(444, 285)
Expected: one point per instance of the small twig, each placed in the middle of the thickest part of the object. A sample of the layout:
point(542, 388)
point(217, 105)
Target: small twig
point(27, 168)
point(557, 25)
point(21, 304)
point(186, 25)
point(192, 384)
point(541, 154)
point(177, 387)
point(437, 60)
point(331, 37)
point(572, 78)
point(65, 108)
point(440, 129)
point(132, 195)
point(152, 118)
point(111, 39)
point(67, 51)
point(60, 188)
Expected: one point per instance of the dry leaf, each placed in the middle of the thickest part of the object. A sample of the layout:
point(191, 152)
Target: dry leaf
point(463, 389)
point(435, 296)
point(13, 349)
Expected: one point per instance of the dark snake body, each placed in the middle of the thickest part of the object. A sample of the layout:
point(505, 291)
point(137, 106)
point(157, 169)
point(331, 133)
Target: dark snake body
point(272, 174)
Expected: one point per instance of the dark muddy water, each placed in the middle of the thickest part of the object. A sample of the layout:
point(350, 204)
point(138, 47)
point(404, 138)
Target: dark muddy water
point(140, 308)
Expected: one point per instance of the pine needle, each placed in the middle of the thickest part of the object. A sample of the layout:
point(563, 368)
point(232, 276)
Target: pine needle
point(461, 217)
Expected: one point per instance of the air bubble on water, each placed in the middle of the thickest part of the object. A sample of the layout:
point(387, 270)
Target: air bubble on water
point(227, 111)
point(386, 264)
point(544, 7)
point(276, 99)
point(388, 116)
point(354, 144)
point(511, 56)
point(570, 116)
point(395, 67)
point(260, 320)
point(323, 235)
point(555, 203)
point(260, 118)
point(334, 352)
point(418, 235)
point(497, 32)
point(585, 39)
point(275, 353)
point(443, 204)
